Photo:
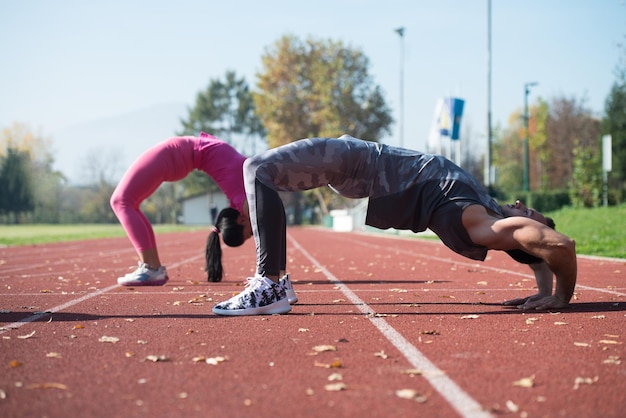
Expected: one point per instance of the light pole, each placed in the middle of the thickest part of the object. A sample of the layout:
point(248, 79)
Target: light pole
point(527, 87)
point(488, 159)
point(400, 31)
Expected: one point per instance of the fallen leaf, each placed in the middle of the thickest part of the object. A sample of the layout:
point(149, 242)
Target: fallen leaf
point(335, 377)
point(582, 344)
point(560, 323)
point(608, 342)
point(525, 382)
point(334, 365)
point(512, 406)
point(15, 363)
point(598, 317)
point(53, 355)
point(155, 358)
point(79, 326)
point(410, 394)
point(530, 321)
point(24, 337)
point(584, 380)
point(214, 361)
point(381, 354)
point(430, 332)
point(397, 290)
point(470, 316)
point(412, 372)
point(335, 387)
point(322, 348)
point(105, 339)
point(303, 330)
point(612, 360)
point(48, 385)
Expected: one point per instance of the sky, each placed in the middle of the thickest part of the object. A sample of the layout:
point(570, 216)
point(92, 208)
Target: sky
point(69, 67)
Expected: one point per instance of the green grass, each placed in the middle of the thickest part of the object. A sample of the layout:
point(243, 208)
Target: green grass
point(598, 231)
point(42, 234)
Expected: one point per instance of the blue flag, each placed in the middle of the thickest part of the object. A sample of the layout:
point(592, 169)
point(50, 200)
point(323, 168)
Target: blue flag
point(451, 117)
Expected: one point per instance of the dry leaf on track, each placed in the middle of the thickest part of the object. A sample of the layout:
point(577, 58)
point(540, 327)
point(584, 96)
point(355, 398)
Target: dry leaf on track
point(512, 406)
point(322, 348)
point(335, 387)
point(48, 385)
point(154, 358)
point(584, 381)
point(525, 382)
point(105, 339)
point(381, 354)
point(410, 394)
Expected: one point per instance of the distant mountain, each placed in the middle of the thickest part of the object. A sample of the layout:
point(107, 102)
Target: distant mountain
point(125, 136)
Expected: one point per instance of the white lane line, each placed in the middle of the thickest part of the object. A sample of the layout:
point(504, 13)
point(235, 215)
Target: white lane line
point(478, 265)
point(58, 308)
point(73, 302)
point(465, 405)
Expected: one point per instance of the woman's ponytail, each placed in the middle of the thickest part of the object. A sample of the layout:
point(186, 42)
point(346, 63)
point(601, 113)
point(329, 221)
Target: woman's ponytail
point(232, 234)
point(213, 256)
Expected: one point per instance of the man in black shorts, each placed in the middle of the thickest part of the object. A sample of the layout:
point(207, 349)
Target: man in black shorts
point(405, 190)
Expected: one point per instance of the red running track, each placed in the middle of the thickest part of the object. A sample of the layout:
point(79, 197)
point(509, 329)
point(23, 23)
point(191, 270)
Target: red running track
point(385, 326)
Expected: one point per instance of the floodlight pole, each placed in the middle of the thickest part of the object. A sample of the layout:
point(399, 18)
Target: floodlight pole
point(527, 87)
point(400, 32)
point(489, 157)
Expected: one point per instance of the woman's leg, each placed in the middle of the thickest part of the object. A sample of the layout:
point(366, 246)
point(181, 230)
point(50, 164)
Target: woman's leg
point(141, 179)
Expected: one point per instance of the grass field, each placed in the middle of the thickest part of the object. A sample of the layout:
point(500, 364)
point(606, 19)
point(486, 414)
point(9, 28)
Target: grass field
point(598, 231)
point(41, 234)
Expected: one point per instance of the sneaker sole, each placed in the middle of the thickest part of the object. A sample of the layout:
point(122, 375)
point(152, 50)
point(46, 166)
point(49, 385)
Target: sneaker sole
point(280, 307)
point(291, 297)
point(146, 283)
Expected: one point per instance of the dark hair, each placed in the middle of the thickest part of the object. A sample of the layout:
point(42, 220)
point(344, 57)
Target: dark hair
point(232, 234)
point(525, 258)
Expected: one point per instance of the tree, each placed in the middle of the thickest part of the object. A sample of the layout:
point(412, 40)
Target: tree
point(614, 123)
point(318, 89)
point(225, 109)
point(15, 184)
point(569, 125)
point(36, 159)
point(586, 182)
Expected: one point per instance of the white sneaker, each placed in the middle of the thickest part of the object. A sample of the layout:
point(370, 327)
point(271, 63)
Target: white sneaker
point(286, 284)
point(261, 297)
point(145, 276)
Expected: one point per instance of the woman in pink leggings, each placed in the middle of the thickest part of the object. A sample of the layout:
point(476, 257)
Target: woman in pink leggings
point(173, 160)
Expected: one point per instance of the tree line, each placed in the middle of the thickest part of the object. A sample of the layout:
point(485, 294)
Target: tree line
point(320, 87)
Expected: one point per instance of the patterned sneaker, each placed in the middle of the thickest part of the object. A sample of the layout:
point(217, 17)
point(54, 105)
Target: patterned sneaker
point(261, 297)
point(145, 276)
point(286, 284)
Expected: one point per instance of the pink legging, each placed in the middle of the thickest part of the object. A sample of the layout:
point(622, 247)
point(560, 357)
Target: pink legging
point(171, 160)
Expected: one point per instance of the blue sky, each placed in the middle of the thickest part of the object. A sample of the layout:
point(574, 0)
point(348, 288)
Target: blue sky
point(67, 63)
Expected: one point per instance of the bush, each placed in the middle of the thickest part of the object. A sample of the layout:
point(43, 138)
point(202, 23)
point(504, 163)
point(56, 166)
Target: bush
point(543, 201)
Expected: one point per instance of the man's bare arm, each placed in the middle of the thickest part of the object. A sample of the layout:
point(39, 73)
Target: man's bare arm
point(557, 250)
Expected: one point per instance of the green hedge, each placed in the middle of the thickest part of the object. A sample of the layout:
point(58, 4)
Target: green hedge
point(542, 201)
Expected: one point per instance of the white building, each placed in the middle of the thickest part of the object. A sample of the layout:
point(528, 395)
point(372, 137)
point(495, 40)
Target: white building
point(196, 210)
